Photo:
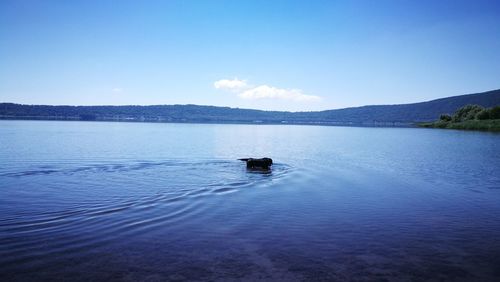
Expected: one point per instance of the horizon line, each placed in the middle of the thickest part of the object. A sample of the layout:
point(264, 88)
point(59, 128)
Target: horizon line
point(200, 105)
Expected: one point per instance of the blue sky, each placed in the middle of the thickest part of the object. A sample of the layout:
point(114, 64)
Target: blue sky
point(282, 55)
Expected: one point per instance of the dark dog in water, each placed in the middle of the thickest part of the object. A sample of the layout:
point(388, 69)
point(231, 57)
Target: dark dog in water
point(264, 163)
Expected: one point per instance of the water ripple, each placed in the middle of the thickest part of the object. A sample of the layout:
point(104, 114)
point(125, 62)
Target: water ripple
point(113, 204)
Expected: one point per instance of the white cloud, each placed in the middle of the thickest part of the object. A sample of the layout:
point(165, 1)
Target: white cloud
point(249, 92)
point(117, 90)
point(231, 84)
point(270, 92)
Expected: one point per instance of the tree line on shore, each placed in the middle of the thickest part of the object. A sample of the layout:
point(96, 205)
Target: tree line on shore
point(472, 112)
point(469, 117)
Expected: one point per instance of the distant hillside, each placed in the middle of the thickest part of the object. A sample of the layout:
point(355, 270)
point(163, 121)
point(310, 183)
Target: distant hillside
point(382, 114)
point(416, 112)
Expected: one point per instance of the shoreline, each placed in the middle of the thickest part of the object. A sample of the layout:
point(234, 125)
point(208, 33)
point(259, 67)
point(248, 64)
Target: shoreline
point(474, 125)
point(258, 122)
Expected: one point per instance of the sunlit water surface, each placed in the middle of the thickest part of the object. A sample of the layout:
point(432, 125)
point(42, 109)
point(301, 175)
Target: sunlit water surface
point(137, 201)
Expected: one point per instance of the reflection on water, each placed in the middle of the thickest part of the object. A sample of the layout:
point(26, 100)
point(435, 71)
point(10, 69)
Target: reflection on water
point(113, 201)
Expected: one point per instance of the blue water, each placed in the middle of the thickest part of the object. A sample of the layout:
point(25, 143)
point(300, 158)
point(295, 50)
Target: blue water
point(86, 201)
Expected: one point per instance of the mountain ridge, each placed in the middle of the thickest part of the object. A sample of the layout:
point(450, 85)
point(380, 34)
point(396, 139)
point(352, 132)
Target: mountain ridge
point(369, 114)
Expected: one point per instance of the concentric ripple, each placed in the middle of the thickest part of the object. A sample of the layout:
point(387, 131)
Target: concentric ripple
point(66, 208)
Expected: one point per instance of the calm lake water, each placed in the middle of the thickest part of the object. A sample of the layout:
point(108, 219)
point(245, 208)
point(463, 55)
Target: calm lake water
point(86, 201)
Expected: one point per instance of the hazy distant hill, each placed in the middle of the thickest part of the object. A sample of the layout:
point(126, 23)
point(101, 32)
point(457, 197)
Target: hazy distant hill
point(424, 111)
point(404, 113)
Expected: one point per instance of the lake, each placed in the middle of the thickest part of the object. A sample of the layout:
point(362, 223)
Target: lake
point(86, 201)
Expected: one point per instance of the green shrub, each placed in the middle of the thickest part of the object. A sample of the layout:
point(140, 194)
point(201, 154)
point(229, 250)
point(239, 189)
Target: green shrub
point(495, 112)
point(473, 112)
point(483, 115)
point(467, 112)
point(445, 117)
